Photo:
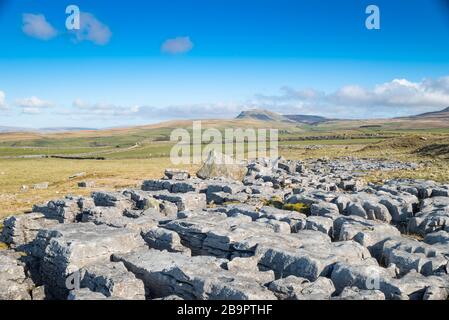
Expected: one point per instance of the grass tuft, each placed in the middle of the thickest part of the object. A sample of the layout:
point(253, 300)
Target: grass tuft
point(298, 207)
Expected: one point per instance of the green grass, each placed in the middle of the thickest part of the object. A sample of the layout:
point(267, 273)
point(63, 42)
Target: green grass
point(138, 153)
point(33, 151)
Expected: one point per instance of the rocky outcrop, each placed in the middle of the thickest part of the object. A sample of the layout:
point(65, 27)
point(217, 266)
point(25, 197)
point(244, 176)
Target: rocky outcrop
point(14, 283)
point(220, 165)
point(272, 229)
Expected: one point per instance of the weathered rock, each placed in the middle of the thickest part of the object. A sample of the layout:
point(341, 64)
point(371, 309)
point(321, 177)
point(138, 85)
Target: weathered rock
point(296, 220)
point(345, 245)
point(408, 254)
point(288, 166)
point(86, 184)
point(324, 209)
point(243, 209)
point(248, 267)
point(143, 200)
point(22, 229)
point(112, 280)
point(311, 260)
point(294, 288)
point(433, 216)
point(200, 278)
point(184, 201)
point(163, 239)
point(86, 294)
point(354, 293)
point(38, 293)
point(368, 276)
point(275, 225)
point(64, 210)
point(365, 275)
point(321, 224)
point(102, 215)
point(177, 174)
point(219, 165)
point(223, 197)
point(370, 234)
point(14, 284)
point(112, 199)
point(65, 249)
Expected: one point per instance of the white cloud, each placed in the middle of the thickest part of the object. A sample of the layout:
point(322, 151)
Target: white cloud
point(104, 109)
point(33, 105)
point(194, 111)
point(36, 26)
point(187, 111)
point(177, 45)
point(2, 100)
point(397, 97)
point(91, 29)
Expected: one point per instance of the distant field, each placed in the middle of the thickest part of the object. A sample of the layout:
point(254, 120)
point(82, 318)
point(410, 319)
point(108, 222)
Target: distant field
point(108, 174)
point(134, 154)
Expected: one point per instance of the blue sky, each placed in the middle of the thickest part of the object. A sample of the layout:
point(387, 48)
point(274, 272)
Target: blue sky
point(139, 62)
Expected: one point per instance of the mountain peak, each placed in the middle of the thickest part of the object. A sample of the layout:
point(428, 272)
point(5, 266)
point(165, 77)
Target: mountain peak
point(435, 114)
point(261, 114)
point(266, 115)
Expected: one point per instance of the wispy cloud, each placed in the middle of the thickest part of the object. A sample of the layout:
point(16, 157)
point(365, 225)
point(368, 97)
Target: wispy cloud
point(397, 97)
point(177, 45)
point(33, 105)
point(92, 29)
point(104, 109)
point(2, 100)
point(37, 26)
point(193, 111)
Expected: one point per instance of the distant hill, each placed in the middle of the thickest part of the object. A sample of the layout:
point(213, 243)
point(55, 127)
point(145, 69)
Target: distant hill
point(4, 129)
point(265, 115)
point(65, 129)
point(262, 115)
point(302, 118)
point(434, 115)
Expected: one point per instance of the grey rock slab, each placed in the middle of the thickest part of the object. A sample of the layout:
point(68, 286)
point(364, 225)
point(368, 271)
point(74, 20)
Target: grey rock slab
point(112, 279)
point(14, 283)
point(408, 254)
point(22, 229)
point(433, 216)
point(63, 210)
point(321, 224)
point(324, 209)
point(177, 174)
point(112, 199)
point(295, 288)
point(368, 276)
point(185, 201)
point(308, 261)
point(163, 239)
point(354, 293)
point(370, 234)
point(198, 278)
point(219, 165)
point(66, 248)
point(86, 294)
point(275, 225)
point(296, 220)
